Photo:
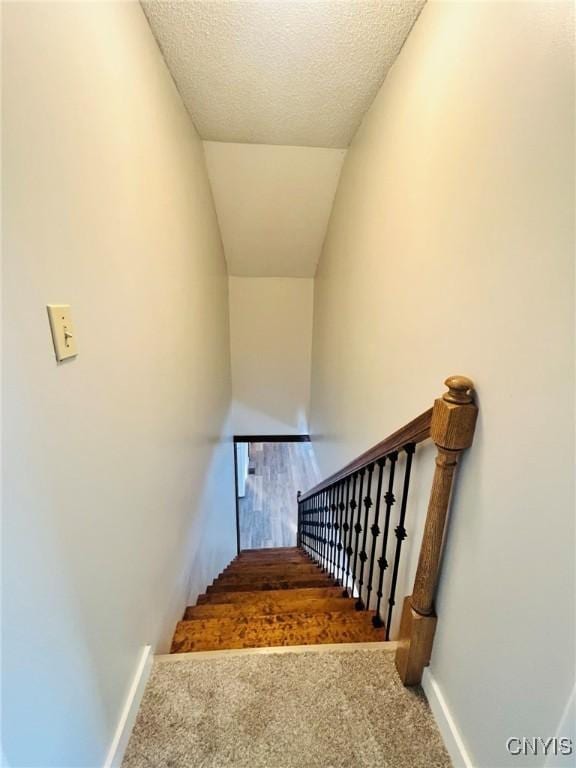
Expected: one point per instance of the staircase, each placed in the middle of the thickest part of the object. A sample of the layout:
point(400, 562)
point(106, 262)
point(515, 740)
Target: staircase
point(272, 597)
point(350, 533)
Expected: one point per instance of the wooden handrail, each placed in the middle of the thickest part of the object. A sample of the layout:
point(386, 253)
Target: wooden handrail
point(416, 431)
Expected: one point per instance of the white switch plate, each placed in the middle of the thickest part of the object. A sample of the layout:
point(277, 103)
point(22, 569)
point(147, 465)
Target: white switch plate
point(63, 334)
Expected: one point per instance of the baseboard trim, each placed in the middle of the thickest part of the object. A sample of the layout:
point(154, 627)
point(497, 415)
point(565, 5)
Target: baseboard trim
point(130, 710)
point(450, 734)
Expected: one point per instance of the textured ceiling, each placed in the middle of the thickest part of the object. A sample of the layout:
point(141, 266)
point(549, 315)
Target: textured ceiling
point(273, 205)
point(280, 71)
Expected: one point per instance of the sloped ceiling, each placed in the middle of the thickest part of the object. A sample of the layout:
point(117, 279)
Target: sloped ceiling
point(277, 89)
point(280, 71)
point(273, 205)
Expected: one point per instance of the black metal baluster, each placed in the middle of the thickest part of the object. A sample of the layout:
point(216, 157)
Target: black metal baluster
point(363, 554)
point(347, 527)
point(307, 526)
point(339, 545)
point(324, 521)
point(382, 561)
point(336, 527)
point(375, 531)
point(358, 527)
point(349, 549)
point(312, 527)
point(326, 530)
point(400, 532)
point(317, 527)
point(330, 528)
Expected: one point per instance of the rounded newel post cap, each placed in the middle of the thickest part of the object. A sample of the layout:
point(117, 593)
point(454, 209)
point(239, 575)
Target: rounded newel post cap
point(459, 390)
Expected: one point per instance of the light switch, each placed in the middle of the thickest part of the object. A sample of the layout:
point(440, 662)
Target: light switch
point(62, 329)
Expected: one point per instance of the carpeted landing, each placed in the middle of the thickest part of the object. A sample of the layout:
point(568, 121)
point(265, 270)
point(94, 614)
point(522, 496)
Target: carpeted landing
point(334, 709)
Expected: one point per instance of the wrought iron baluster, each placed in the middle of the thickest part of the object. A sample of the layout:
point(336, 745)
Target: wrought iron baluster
point(317, 527)
point(400, 532)
point(349, 550)
point(375, 531)
point(358, 527)
point(339, 545)
point(329, 528)
point(367, 501)
point(314, 526)
point(324, 529)
point(302, 523)
point(382, 561)
point(333, 528)
point(306, 525)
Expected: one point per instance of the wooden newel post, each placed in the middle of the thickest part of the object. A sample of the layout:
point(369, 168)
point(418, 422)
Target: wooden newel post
point(452, 429)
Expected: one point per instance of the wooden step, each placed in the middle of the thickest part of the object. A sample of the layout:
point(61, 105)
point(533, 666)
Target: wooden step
point(260, 563)
point(265, 570)
point(238, 577)
point(249, 585)
point(283, 597)
point(278, 629)
point(269, 555)
point(269, 606)
point(274, 558)
point(270, 550)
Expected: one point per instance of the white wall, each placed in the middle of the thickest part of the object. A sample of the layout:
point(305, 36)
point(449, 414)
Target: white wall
point(450, 250)
point(118, 495)
point(271, 337)
point(273, 205)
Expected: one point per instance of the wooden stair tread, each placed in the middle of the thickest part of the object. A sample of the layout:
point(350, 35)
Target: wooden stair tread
point(274, 630)
point(283, 596)
point(262, 570)
point(271, 550)
point(241, 577)
point(272, 558)
point(292, 562)
point(251, 585)
point(267, 607)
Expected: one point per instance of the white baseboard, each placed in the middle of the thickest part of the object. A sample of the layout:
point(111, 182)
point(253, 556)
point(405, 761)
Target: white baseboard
point(129, 710)
point(450, 734)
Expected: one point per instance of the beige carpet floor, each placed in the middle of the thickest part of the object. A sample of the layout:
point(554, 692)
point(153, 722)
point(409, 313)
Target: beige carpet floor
point(292, 710)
